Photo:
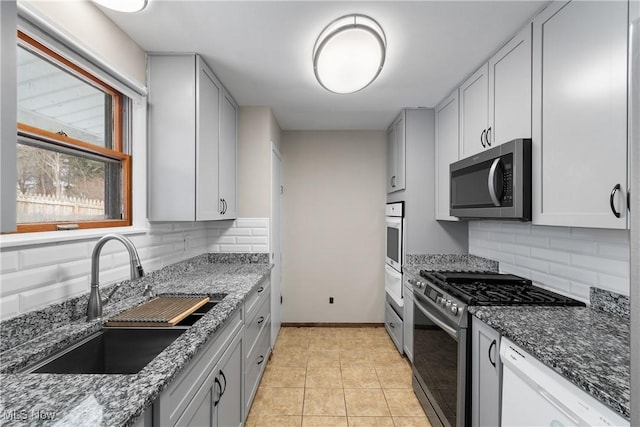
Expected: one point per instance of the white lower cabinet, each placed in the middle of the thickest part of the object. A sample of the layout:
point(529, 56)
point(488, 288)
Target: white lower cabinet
point(257, 340)
point(393, 325)
point(486, 375)
point(217, 387)
point(219, 400)
point(407, 322)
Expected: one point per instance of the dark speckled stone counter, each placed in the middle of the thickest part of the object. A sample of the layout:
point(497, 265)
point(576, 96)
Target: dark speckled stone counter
point(113, 400)
point(588, 347)
point(416, 262)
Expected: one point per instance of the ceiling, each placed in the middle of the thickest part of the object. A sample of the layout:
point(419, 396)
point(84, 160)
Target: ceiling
point(261, 51)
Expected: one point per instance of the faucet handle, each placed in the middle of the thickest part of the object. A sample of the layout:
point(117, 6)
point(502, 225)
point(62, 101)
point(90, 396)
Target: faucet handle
point(148, 291)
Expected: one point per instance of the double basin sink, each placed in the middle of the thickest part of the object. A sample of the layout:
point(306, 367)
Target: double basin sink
point(116, 350)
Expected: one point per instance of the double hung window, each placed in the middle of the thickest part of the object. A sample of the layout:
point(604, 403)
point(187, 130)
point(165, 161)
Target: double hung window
point(73, 170)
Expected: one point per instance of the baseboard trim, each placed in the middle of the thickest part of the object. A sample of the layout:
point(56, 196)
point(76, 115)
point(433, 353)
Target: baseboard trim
point(330, 325)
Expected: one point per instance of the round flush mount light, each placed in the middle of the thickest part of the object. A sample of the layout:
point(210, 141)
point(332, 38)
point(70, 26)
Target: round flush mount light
point(349, 54)
point(123, 5)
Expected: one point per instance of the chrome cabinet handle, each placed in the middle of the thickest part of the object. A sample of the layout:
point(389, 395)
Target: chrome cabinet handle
point(491, 182)
point(392, 325)
point(488, 137)
point(493, 344)
point(484, 131)
point(261, 320)
point(260, 359)
point(260, 289)
point(611, 197)
point(224, 389)
point(629, 200)
point(393, 181)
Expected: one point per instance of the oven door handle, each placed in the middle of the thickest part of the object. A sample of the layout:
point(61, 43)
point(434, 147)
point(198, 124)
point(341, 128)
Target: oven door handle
point(448, 329)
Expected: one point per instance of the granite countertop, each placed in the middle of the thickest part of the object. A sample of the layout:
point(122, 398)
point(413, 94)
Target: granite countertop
point(112, 400)
point(414, 263)
point(589, 347)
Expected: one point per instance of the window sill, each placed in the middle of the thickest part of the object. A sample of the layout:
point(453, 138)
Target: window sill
point(48, 237)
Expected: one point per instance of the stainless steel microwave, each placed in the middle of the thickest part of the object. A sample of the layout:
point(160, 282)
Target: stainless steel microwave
point(495, 183)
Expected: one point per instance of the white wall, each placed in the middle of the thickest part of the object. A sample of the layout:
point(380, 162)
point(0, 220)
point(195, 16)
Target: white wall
point(257, 128)
point(333, 207)
point(568, 260)
point(83, 21)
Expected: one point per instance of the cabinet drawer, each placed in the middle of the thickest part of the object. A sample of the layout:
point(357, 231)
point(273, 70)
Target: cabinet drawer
point(256, 297)
point(393, 324)
point(175, 398)
point(254, 366)
point(254, 325)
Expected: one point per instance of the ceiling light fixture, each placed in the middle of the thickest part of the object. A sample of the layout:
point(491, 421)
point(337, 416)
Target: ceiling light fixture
point(349, 54)
point(123, 5)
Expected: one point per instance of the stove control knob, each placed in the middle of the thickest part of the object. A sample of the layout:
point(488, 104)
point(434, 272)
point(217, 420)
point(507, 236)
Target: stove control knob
point(412, 281)
point(420, 285)
point(454, 309)
point(443, 302)
point(448, 304)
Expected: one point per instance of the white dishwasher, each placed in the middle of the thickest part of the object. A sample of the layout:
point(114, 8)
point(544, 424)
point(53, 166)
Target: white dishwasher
point(535, 395)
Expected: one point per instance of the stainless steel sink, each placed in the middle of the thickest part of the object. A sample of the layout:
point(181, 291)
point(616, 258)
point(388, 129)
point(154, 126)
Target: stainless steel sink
point(110, 351)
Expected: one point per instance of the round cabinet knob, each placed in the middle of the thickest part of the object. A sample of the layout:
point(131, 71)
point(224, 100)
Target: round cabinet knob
point(454, 309)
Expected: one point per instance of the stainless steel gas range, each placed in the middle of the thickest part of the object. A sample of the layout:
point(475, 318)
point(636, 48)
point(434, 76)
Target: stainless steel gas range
point(441, 340)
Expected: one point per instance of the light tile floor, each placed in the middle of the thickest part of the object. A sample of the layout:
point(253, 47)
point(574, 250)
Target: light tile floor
point(336, 377)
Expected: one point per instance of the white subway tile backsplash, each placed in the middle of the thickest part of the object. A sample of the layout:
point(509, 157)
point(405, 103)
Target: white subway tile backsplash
point(28, 279)
point(567, 260)
point(9, 306)
point(600, 264)
point(551, 255)
point(613, 283)
point(533, 241)
point(8, 262)
point(235, 248)
point(613, 250)
point(36, 298)
point(33, 276)
point(551, 282)
point(515, 249)
point(53, 254)
point(532, 264)
point(573, 273)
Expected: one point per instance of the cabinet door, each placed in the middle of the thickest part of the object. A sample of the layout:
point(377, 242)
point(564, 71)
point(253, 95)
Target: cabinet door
point(207, 142)
point(579, 114)
point(400, 135)
point(407, 322)
point(230, 407)
point(510, 90)
point(391, 159)
point(172, 135)
point(446, 152)
point(228, 155)
point(474, 94)
point(201, 412)
point(486, 375)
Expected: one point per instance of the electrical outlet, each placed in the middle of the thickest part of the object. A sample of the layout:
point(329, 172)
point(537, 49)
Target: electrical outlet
point(330, 300)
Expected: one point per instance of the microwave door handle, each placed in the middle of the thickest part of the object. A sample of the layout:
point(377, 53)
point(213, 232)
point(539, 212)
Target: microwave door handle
point(491, 182)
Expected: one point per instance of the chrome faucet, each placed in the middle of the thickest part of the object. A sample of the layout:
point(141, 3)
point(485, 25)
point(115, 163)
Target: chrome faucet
point(94, 308)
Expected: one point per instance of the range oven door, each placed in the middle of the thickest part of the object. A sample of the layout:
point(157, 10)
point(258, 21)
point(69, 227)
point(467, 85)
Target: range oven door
point(440, 366)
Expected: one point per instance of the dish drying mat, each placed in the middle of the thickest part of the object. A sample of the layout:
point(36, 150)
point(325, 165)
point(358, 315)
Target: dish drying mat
point(161, 311)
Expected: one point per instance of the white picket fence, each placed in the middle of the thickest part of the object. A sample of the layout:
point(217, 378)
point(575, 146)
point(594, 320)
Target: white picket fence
point(43, 208)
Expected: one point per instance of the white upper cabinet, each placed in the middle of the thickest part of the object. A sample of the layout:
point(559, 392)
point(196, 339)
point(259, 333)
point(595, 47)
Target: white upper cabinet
point(192, 141)
point(510, 90)
point(396, 160)
point(474, 103)
point(580, 115)
point(446, 152)
point(495, 102)
point(228, 156)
